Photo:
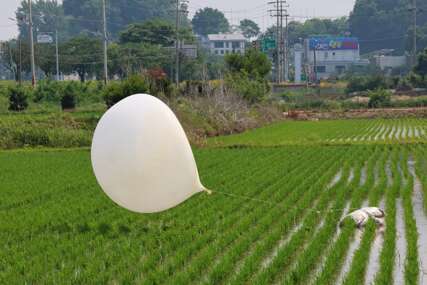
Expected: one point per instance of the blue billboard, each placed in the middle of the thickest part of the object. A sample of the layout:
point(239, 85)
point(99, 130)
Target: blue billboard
point(333, 43)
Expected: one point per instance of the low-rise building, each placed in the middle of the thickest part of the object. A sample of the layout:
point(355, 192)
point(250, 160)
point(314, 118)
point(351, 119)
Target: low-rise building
point(331, 56)
point(389, 62)
point(222, 44)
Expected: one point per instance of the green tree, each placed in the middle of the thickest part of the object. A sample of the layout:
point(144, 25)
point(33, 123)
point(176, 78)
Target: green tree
point(85, 15)
point(381, 24)
point(83, 55)
point(15, 57)
point(247, 74)
point(48, 16)
point(421, 38)
point(46, 58)
point(421, 67)
point(210, 21)
point(298, 31)
point(249, 28)
point(152, 32)
point(135, 58)
point(253, 63)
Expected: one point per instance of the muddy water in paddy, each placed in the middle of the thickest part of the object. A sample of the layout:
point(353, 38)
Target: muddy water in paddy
point(399, 264)
point(421, 220)
point(363, 176)
point(416, 133)
point(335, 180)
point(354, 245)
point(389, 173)
point(319, 268)
point(349, 258)
point(351, 176)
point(374, 257)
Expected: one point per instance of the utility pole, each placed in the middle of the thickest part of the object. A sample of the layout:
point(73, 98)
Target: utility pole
point(57, 55)
point(286, 47)
point(177, 43)
point(280, 4)
point(279, 12)
point(181, 7)
point(33, 65)
point(315, 64)
point(414, 11)
point(104, 17)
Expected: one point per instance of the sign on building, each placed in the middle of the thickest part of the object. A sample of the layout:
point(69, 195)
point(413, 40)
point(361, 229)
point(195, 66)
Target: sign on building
point(333, 43)
point(44, 39)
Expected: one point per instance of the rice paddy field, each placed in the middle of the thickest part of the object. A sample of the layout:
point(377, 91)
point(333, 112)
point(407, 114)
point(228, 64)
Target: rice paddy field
point(279, 195)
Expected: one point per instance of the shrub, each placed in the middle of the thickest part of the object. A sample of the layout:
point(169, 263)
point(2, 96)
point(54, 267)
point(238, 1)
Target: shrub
point(364, 83)
point(68, 98)
point(48, 91)
point(417, 80)
point(18, 98)
point(379, 98)
point(404, 85)
point(117, 91)
point(252, 90)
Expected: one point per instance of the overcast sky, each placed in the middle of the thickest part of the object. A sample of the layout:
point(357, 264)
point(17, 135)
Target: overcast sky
point(235, 10)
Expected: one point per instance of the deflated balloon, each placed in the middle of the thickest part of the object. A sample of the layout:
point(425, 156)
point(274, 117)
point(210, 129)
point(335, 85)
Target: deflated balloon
point(142, 158)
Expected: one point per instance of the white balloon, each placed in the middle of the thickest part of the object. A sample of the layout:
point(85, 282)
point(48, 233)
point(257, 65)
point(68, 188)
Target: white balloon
point(142, 158)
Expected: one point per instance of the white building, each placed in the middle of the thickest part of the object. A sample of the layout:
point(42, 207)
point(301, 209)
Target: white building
point(222, 44)
point(389, 62)
point(332, 56)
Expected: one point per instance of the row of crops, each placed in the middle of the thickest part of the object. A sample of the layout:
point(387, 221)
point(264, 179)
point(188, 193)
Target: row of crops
point(381, 131)
point(273, 220)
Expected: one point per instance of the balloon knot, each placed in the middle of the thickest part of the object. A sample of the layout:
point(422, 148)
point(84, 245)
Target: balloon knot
point(209, 192)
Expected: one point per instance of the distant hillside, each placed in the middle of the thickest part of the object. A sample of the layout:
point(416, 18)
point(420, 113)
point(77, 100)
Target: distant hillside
point(388, 24)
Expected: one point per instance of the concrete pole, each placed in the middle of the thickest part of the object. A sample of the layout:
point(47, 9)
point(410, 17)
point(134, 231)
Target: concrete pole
point(177, 44)
point(415, 32)
point(104, 17)
point(57, 55)
point(33, 64)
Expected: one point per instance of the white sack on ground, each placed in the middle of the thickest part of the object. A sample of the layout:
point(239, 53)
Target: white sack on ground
point(362, 216)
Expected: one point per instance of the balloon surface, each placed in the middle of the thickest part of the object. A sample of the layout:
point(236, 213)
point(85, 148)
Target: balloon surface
point(142, 158)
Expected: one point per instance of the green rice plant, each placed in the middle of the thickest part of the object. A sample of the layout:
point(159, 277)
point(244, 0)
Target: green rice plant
point(277, 266)
point(361, 256)
point(387, 256)
point(411, 263)
point(189, 275)
point(335, 258)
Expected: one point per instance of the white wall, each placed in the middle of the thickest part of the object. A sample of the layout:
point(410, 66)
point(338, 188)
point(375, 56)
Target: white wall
point(334, 55)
